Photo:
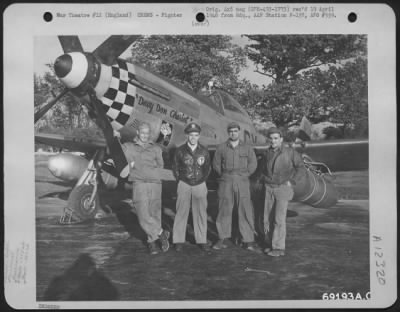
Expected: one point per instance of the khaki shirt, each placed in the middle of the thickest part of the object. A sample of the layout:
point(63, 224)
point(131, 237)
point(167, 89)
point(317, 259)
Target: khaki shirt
point(239, 161)
point(147, 160)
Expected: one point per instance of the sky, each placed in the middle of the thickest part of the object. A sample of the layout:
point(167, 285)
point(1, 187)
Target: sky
point(48, 48)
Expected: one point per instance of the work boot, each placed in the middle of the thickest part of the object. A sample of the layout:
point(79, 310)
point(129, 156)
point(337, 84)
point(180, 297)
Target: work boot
point(178, 247)
point(276, 253)
point(252, 247)
point(164, 240)
point(153, 249)
point(268, 247)
point(220, 245)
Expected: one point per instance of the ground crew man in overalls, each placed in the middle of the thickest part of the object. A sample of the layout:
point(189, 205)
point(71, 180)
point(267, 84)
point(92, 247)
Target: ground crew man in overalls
point(144, 157)
point(281, 167)
point(191, 167)
point(234, 161)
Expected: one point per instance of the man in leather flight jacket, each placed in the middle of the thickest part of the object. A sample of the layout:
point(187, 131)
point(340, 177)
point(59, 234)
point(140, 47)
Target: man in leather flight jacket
point(191, 168)
point(281, 167)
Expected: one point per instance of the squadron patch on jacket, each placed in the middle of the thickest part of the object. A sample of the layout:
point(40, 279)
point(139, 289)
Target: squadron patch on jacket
point(188, 160)
point(200, 160)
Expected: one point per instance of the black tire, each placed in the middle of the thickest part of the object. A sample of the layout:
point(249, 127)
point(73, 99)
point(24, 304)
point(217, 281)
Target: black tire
point(78, 202)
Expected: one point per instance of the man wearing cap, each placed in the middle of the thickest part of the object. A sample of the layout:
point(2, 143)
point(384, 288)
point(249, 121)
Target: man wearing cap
point(234, 161)
point(144, 157)
point(281, 167)
point(191, 167)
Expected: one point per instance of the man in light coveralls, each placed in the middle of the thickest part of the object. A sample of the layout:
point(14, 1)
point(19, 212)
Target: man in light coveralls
point(144, 157)
point(234, 161)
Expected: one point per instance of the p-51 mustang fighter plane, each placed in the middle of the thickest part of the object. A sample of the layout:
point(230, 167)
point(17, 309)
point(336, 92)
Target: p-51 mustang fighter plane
point(119, 95)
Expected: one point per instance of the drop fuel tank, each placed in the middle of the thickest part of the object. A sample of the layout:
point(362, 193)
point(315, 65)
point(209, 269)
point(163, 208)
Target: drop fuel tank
point(315, 189)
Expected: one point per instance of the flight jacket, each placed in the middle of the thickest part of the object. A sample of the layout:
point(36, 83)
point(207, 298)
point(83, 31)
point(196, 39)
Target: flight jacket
point(283, 166)
point(191, 167)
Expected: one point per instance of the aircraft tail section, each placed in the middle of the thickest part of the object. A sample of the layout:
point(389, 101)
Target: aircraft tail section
point(305, 129)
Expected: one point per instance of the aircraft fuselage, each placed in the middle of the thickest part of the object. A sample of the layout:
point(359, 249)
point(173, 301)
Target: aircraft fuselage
point(130, 94)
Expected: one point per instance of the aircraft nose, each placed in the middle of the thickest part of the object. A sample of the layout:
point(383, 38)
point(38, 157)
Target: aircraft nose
point(71, 69)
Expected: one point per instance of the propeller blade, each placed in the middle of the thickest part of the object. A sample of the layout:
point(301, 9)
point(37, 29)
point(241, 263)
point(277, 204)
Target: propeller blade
point(116, 151)
point(70, 44)
point(113, 47)
point(43, 110)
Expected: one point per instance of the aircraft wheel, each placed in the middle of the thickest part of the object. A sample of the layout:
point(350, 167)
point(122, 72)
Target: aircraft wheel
point(79, 202)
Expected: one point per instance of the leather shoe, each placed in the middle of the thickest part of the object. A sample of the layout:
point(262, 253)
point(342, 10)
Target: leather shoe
point(153, 248)
point(276, 253)
point(252, 247)
point(220, 245)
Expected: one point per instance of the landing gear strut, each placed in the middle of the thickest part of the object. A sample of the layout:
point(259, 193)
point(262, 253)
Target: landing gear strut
point(83, 202)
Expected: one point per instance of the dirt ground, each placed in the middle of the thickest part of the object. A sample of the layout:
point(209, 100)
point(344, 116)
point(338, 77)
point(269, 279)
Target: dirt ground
point(327, 252)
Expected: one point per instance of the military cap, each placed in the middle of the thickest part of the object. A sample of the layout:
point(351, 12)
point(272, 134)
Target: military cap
point(192, 127)
point(233, 125)
point(273, 130)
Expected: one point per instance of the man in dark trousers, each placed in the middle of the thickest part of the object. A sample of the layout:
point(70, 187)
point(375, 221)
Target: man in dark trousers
point(191, 168)
point(234, 161)
point(144, 157)
point(281, 167)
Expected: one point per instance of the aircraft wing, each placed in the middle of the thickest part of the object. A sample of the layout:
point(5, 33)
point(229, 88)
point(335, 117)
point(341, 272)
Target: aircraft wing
point(338, 155)
point(73, 143)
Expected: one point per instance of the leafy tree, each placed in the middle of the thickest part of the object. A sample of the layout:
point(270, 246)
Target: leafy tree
point(67, 115)
point(345, 96)
point(192, 61)
point(283, 57)
point(249, 96)
point(286, 103)
point(338, 95)
point(323, 77)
